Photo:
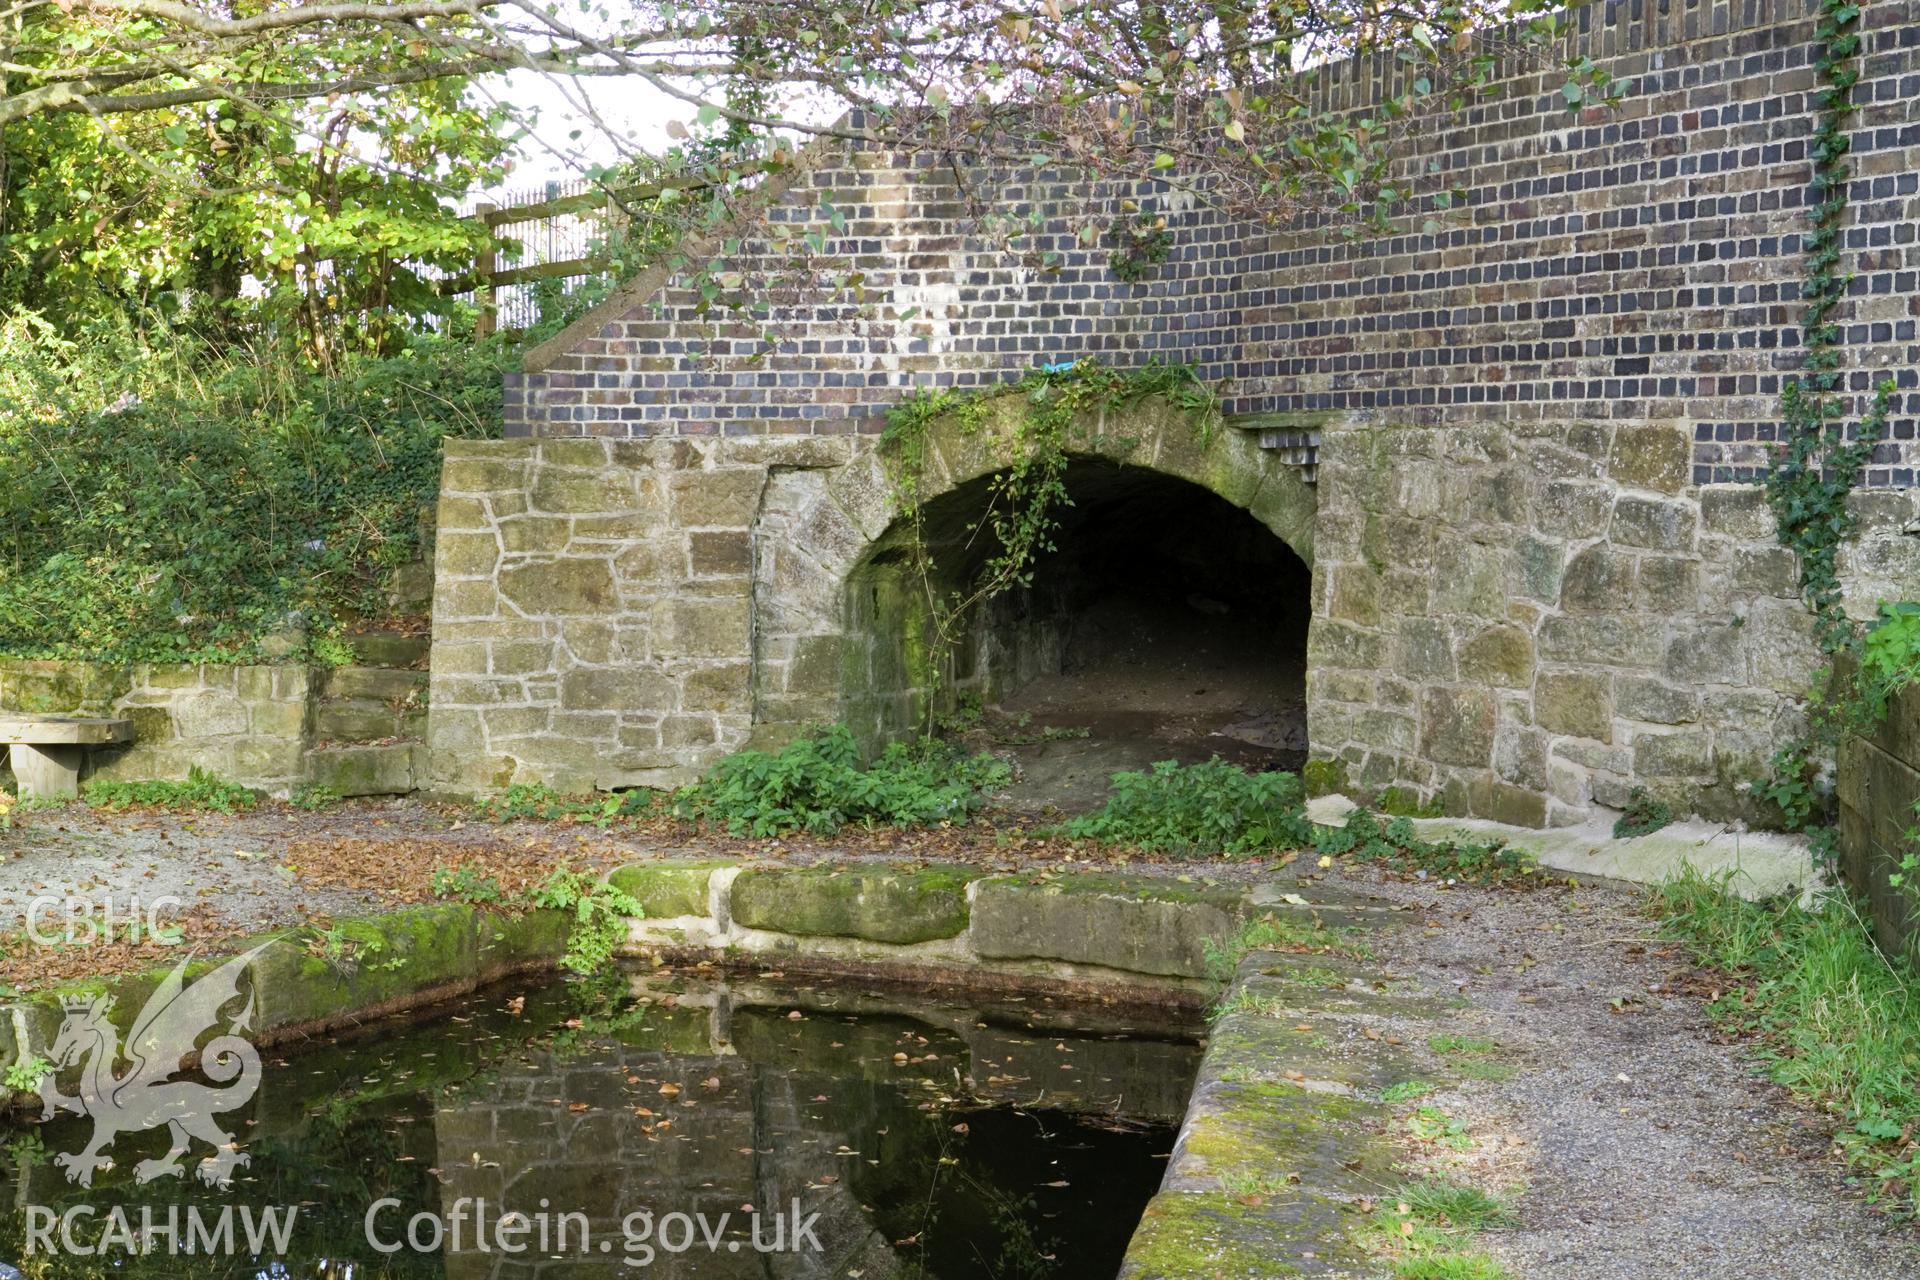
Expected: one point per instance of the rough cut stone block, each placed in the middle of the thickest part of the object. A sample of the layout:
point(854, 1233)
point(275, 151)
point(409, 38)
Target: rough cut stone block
point(1655, 523)
point(387, 770)
point(665, 889)
point(879, 905)
point(1658, 456)
point(1575, 702)
point(717, 499)
point(1501, 656)
point(1456, 726)
point(583, 492)
point(1138, 924)
point(571, 585)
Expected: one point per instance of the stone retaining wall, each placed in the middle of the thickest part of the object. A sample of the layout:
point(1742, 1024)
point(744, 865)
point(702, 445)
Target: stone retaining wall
point(1544, 578)
point(1089, 932)
point(245, 723)
point(1879, 792)
point(1527, 621)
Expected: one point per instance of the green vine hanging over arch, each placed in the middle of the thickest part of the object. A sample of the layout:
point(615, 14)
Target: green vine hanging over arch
point(1024, 496)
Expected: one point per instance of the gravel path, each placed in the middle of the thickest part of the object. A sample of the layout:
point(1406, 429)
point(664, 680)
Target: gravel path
point(1633, 1142)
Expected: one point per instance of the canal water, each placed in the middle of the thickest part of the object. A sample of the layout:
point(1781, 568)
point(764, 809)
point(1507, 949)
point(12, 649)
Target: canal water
point(648, 1124)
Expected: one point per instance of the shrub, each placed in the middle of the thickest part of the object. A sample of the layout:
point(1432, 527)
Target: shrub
point(202, 791)
point(817, 785)
point(1200, 808)
point(223, 506)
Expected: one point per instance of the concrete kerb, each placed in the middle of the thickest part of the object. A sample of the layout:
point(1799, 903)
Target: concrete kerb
point(1756, 864)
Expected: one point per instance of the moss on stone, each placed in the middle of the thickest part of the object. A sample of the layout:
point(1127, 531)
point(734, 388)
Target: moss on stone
point(882, 904)
point(668, 889)
point(1224, 1236)
point(1323, 777)
point(1139, 888)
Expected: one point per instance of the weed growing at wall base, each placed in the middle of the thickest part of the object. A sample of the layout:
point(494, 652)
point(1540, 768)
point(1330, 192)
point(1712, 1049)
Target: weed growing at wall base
point(201, 792)
point(818, 785)
point(600, 914)
point(1200, 809)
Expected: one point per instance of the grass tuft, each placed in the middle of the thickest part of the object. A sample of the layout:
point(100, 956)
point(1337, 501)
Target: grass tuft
point(1833, 1019)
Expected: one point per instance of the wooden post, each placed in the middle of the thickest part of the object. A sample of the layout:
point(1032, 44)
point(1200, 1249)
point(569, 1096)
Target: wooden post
point(484, 267)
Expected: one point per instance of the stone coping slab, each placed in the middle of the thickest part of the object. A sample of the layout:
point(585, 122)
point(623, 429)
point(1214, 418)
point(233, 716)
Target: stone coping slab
point(1121, 929)
point(307, 984)
point(1758, 864)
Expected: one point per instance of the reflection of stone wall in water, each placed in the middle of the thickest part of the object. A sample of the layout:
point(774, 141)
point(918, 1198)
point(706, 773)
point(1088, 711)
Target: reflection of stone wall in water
point(843, 1116)
point(752, 1139)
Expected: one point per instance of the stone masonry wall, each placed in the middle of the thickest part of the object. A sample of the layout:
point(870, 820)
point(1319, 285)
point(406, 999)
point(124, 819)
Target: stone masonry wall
point(593, 610)
point(1525, 621)
point(246, 723)
point(1544, 577)
point(616, 613)
point(1878, 784)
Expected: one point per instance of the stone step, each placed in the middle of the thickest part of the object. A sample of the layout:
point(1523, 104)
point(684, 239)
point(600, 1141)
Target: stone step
point(375, 684)
point(360, 720)
point(388, 769)
point(390, 648)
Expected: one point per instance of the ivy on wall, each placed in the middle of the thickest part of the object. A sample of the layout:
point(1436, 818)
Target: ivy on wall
point(1817, 465)
point(1058, 403)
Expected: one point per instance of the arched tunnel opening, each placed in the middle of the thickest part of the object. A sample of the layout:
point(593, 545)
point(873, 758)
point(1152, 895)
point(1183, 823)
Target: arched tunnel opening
point(1165, 623)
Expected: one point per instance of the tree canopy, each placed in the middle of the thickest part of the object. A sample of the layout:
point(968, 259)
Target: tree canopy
point(302, 161)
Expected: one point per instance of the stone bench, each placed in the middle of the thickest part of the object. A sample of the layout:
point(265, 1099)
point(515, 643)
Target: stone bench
point(46, 751)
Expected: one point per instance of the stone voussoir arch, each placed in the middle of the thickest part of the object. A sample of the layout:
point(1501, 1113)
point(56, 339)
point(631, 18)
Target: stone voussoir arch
point(817, 528)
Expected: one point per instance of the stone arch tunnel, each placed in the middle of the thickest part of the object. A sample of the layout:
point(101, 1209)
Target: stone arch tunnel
point(1162, 621)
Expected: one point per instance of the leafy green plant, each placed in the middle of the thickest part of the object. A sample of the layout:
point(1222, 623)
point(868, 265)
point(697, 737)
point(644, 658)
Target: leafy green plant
point(354, 945)
point(1431, 1124)
point(1405, 1091)
point(1818, 460)
point(1832, 1018)
point(314, 799)
point(25, 1075)
point(600, 914)
point(1643, 815)
point(1395, 844)
point(248, 500)
point(1136, 245)
point(201, 792)
point(818, 785)
point(1199, 809)
point(467, 884)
